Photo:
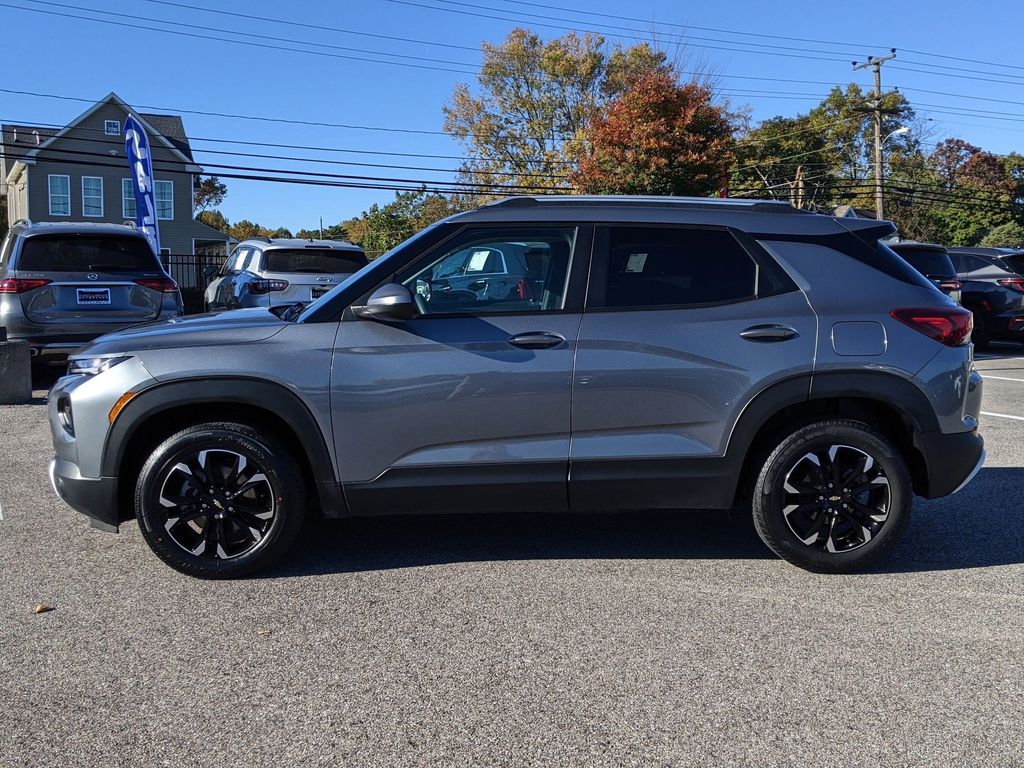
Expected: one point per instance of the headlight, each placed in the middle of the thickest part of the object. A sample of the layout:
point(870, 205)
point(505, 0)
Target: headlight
point(90, 366)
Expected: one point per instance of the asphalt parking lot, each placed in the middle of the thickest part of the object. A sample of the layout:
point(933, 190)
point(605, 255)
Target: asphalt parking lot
point(633, 640)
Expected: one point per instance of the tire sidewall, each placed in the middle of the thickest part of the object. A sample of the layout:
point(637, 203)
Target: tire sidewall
point(768, 515)
point(276, 464)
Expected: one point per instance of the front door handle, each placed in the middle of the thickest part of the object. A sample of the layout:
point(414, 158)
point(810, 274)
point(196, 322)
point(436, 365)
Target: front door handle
point(536, 340)
point(772, 332)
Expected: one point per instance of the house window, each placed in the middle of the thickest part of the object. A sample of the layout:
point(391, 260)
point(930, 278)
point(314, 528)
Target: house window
point(112, 127)
point(60, 195)
point(127, 199)
point(92, 196)
point(164, 199)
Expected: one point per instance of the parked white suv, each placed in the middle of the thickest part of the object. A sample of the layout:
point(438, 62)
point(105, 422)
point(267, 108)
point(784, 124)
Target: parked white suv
point(265, 272)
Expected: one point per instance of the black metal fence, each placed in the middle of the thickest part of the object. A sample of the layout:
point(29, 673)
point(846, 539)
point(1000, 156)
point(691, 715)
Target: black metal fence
point(190, 270)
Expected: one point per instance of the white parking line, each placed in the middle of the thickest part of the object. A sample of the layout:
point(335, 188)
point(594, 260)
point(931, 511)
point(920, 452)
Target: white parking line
point(1003, 416)
point(1000, 378)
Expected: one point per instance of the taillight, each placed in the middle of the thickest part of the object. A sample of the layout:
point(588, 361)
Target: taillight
point(1013, 283)
point(22, 284)
point(950, 285)
point(951, 326)
point(266, 286)
point(162, 284)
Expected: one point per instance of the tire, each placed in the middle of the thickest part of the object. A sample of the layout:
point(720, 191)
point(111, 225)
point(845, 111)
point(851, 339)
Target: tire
point(980, 336)
point(792, 497)
point(258, 505)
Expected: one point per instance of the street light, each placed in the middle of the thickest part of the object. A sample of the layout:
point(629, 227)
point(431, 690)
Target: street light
point(879, 212)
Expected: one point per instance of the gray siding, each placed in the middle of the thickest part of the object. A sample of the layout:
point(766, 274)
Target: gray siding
point(176, 234)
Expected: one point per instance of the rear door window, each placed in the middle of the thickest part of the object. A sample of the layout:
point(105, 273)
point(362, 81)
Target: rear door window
point(673, 266)
point(313, 260)
point(86, 253)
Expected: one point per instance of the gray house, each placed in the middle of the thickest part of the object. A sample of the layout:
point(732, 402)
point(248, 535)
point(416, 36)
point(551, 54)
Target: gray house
point(80, 173)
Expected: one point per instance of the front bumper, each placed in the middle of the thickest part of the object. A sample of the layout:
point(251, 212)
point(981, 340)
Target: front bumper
point(96, 498)
point(952, 460)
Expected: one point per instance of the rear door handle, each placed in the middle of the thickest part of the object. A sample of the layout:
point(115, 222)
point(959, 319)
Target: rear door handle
point(772, 332)
point(536, 340)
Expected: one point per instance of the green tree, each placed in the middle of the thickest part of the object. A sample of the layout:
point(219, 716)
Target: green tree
point(280, 232)
point(1008, 235)
point(214, 219)
point(657, 138)
point(209, 192)
point(245, 229)
point(524, 126)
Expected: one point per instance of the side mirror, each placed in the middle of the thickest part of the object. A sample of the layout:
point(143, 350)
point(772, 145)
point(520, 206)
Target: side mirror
point(210, 270)
point(389, 302)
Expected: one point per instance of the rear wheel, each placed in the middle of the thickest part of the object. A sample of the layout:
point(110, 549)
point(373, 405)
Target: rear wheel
point(220, 500)
point(832, 497)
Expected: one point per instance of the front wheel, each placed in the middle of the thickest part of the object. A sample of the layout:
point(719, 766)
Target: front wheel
point(832, 497)
point(220, 500)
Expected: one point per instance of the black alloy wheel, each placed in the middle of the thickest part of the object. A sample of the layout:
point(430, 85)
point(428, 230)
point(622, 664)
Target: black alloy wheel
point(833, 496)
point(220, 500)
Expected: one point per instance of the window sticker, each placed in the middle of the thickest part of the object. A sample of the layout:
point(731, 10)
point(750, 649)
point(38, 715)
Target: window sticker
point(478, 261)
point(636, 262)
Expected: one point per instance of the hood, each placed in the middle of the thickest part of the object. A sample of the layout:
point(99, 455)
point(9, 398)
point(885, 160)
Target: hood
point(241, 326)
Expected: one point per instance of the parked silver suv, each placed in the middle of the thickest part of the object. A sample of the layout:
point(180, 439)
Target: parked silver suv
point(265, 272)
point(64, 284)
point(677, 353)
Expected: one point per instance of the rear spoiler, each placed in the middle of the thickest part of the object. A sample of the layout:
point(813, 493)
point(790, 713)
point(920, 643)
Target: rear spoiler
point(868, 230)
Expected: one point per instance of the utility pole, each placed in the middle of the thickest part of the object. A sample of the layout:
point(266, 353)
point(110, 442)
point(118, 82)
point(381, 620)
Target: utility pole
point(321, 227)
point(875, 64)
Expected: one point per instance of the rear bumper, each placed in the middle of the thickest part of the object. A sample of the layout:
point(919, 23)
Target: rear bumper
point(952, 460)
point(96, 498)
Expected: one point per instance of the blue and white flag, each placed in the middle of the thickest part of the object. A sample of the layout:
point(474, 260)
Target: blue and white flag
point(136, 145)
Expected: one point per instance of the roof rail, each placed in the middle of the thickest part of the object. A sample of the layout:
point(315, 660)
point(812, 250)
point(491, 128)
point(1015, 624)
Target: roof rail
point(763, 206)
point(261, 238)
point(26, 222)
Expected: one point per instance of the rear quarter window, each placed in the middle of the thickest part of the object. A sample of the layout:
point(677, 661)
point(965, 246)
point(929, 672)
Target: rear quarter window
point(86, 253)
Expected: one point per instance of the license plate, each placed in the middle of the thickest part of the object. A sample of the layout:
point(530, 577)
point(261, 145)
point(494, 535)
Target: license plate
point(316, 293)
point(93, 295)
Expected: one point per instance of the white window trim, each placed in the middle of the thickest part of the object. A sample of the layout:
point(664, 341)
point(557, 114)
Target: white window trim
point(85, 208)
point(124, 200)
point(49, 192)
point(156, 202)
point(106, 127)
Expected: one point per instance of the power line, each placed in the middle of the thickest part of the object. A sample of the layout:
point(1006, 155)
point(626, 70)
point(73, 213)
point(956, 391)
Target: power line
point(247, 43)
point(288, 172)
point(248, 34)
point(317, 27)
point(615, 33)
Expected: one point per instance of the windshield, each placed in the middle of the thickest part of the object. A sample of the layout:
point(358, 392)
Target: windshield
point(378, 268)
point(928, 261)
point(318, 260)
point(87, 253)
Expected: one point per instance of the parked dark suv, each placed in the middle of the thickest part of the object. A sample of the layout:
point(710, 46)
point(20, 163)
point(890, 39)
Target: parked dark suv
point(676, 354)
point(993, 290)
point(933, 262)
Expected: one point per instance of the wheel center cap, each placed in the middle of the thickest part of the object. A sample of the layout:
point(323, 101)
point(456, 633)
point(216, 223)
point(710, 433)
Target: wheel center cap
point(835, 498)
point(218, 504)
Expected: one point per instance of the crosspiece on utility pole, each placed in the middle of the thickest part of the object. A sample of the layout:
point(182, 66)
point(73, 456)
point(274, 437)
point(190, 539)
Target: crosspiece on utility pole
point(875, 63)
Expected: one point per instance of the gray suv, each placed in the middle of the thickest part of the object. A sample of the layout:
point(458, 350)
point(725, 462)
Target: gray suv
point(265, 272)
point(677, 354)
point(64, 284)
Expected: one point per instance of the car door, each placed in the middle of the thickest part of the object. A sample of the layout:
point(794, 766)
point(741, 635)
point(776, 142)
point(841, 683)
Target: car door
point(683, 325)
point(466, 405)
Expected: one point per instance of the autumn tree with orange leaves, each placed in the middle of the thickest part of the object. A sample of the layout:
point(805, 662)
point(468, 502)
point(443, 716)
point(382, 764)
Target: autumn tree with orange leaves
point(659, 137)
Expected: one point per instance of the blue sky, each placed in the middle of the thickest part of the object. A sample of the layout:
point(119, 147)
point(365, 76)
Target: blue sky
point(233, 74)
